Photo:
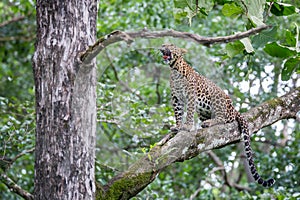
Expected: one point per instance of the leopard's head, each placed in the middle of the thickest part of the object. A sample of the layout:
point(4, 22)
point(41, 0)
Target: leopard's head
point(171, 53)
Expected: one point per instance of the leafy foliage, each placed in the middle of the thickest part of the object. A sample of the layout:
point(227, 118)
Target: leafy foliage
point(17, 27)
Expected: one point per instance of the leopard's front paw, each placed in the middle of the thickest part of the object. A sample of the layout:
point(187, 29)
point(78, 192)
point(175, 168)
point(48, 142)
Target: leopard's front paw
point(175, 129)
point(206, 124)
point(186, 127)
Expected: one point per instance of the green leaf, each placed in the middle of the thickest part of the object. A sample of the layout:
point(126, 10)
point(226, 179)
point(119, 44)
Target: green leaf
point(184, 8)
point(289, 67)
point(264, 37)
point(255, 20)
point(231, 10)
point(180, 3)
point(255, 10)
point(290, 38)
point(282, 9)
point(203, 11)
point(179, 14)
point(189, 9)
point(276, 50)
point(205, 5)
point(235, 48)
point(247, 44)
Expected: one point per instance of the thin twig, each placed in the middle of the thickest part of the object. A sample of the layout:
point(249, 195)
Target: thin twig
point(221, 167)
point(15, 19)
point(13, 38)
point(22, 154)
point(108, 121)
point(275, 144)
point(194, 195)
point(6, 162)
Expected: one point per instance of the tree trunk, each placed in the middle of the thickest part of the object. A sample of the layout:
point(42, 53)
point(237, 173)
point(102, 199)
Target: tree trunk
point(65, 100)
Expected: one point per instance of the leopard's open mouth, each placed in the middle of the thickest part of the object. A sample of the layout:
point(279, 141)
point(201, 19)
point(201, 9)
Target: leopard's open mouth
point(166, 57)
point(166, 54)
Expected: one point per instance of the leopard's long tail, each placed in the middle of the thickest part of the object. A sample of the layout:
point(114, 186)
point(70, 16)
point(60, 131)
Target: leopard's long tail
point(243, 125)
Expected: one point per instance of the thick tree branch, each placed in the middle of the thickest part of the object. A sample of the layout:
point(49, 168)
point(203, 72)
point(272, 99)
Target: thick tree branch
point(14, 187)
point(186, 145)
point(6, 163)
point(117, 36)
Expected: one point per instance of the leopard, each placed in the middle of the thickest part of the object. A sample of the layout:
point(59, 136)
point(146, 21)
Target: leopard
point(193, 93)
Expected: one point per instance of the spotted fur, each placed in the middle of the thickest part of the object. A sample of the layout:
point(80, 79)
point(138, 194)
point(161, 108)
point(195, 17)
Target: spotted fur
point(201, 95)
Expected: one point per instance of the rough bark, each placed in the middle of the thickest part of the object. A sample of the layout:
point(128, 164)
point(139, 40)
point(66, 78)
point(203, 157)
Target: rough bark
point(186, 145)
point(65, 100)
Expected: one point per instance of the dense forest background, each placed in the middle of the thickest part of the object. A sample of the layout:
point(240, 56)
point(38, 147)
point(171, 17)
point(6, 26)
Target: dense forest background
point(134, 110)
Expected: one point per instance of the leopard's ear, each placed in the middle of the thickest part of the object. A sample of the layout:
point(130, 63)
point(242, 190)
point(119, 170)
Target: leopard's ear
point(183, 51)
